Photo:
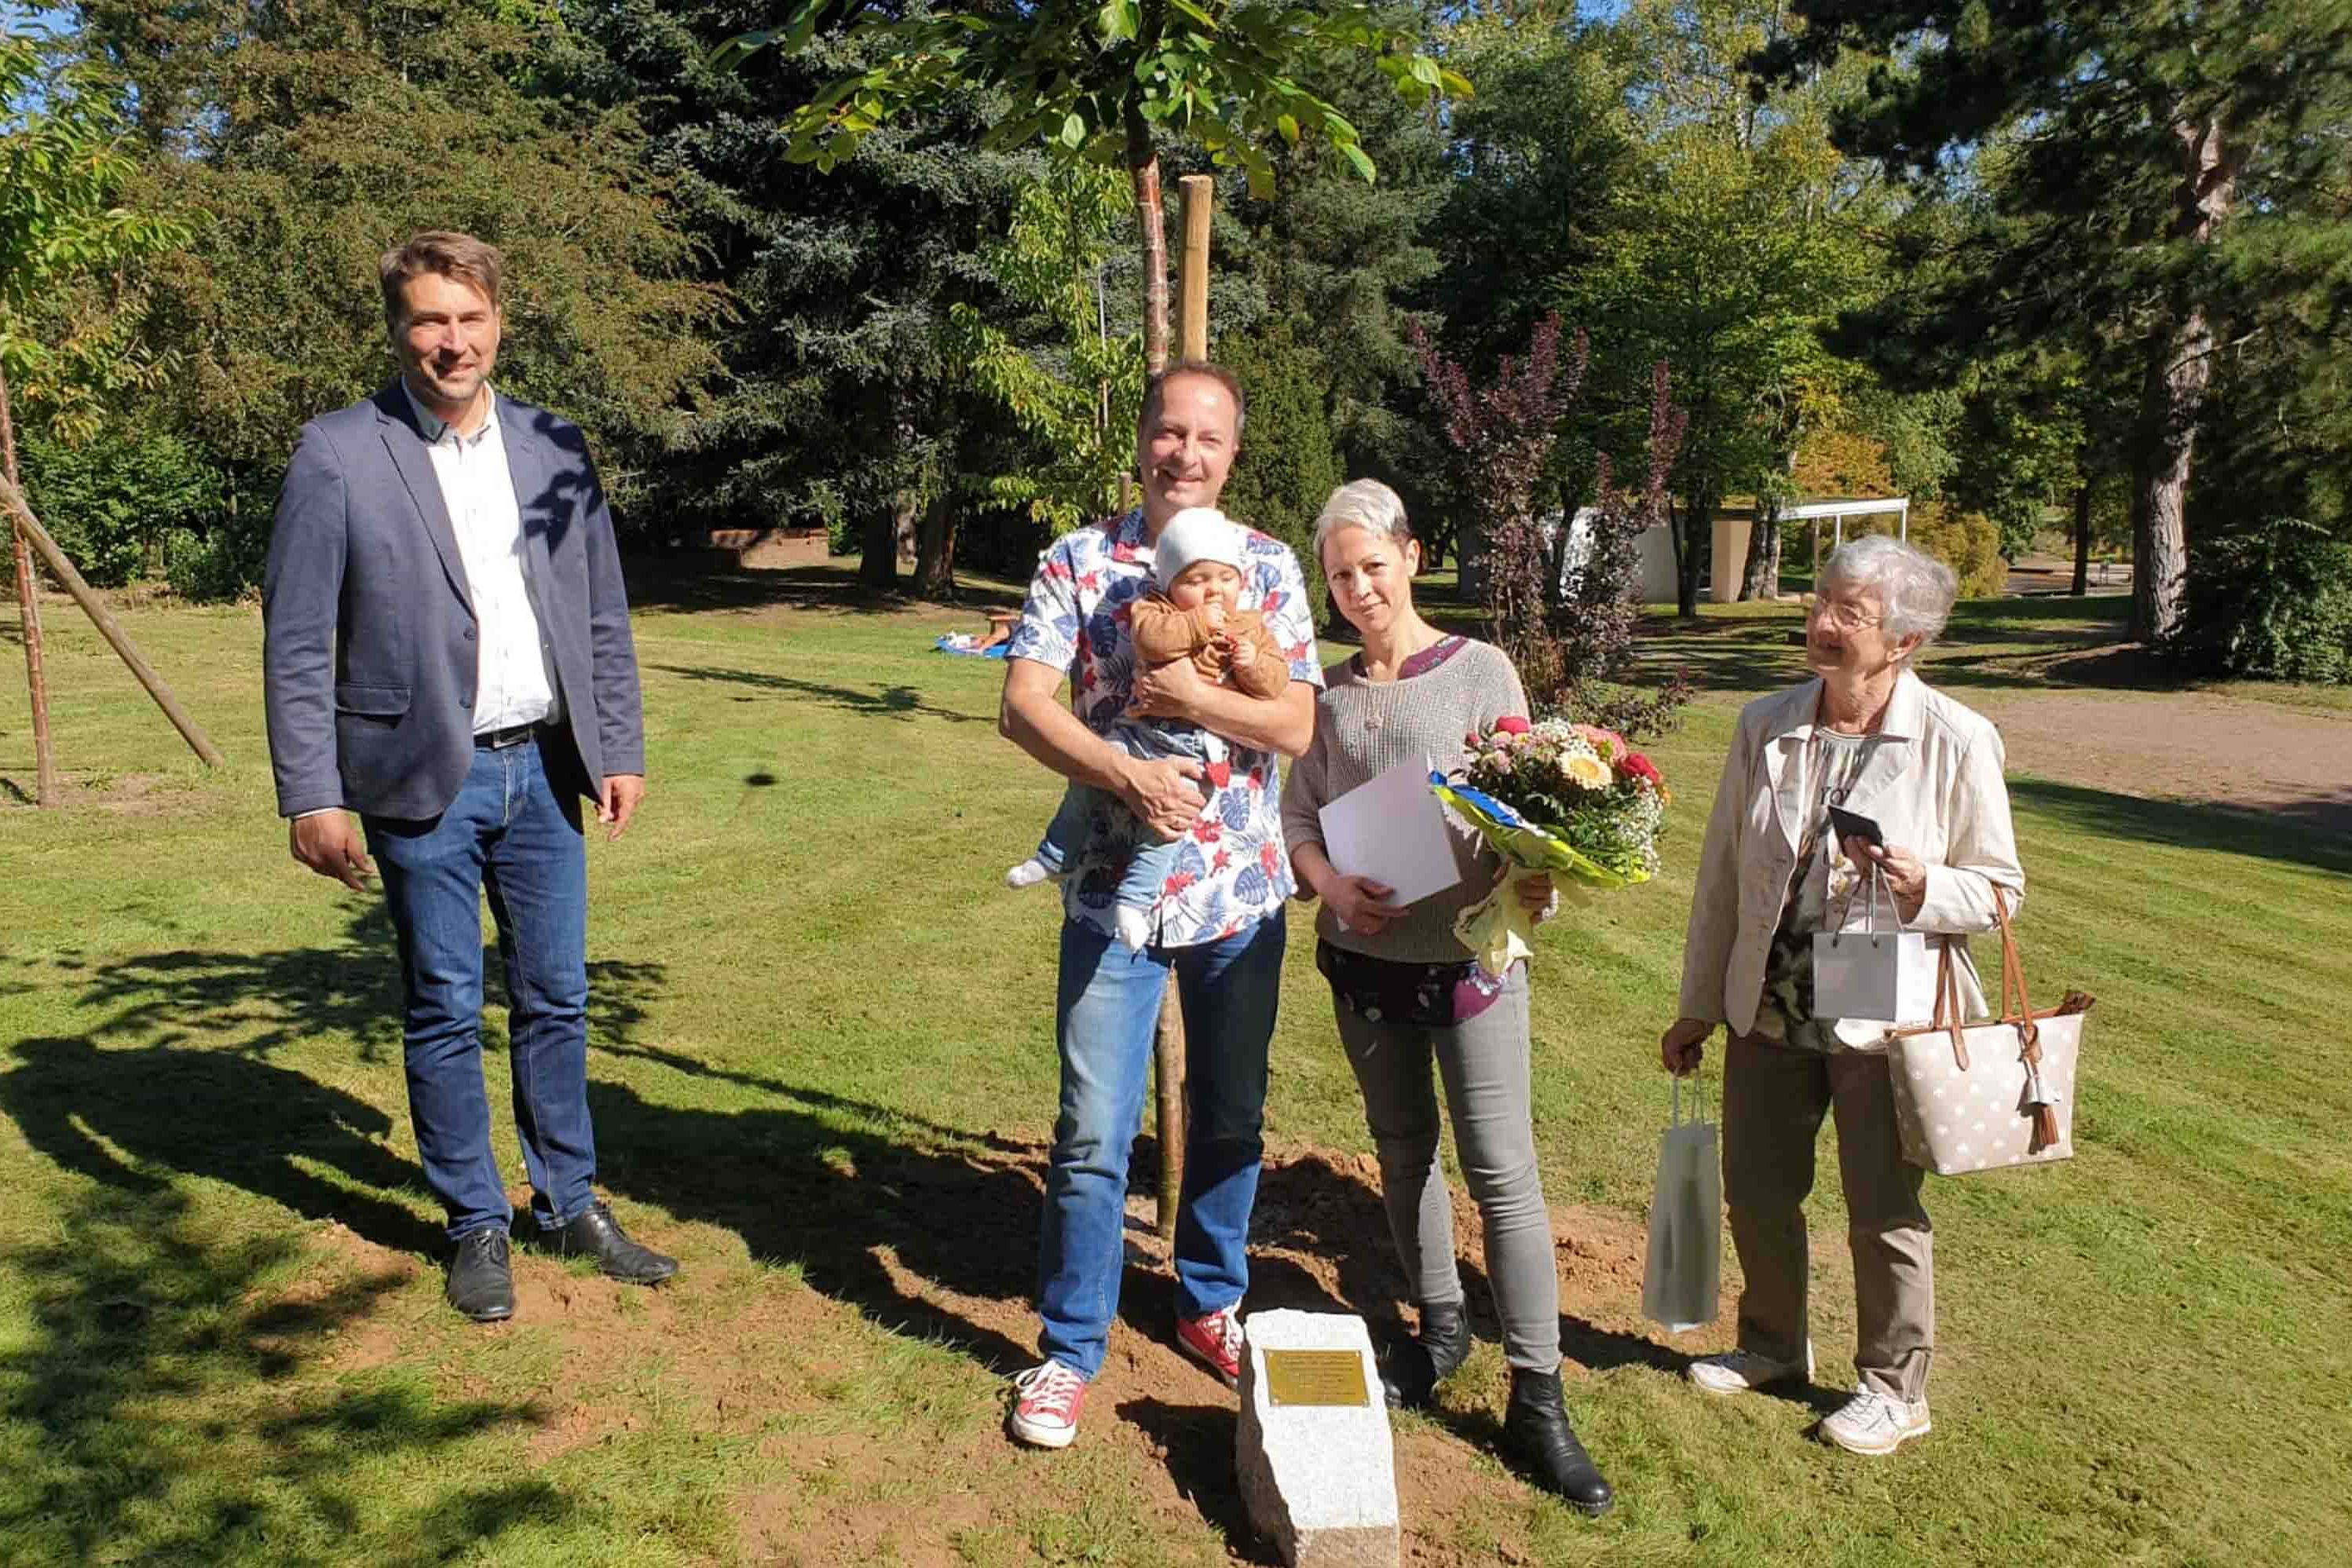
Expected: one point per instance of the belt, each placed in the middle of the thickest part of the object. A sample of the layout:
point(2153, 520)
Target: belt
point(513, 734)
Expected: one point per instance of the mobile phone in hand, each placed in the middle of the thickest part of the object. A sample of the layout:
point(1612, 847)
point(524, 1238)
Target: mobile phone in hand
point(1854, 825)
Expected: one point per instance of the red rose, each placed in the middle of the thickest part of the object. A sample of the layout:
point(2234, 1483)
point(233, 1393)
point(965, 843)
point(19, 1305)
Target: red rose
point(1511, 724)
point(1636, 766)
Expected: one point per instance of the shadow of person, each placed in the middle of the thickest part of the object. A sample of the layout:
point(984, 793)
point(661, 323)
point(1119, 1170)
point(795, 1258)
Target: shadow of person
point(1196, 1443)
point(226, 1115)
point(933, 1234)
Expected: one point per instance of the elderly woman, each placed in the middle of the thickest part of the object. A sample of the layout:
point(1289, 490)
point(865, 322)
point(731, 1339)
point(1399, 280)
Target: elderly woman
point(1407, 992)
point(1867, 734)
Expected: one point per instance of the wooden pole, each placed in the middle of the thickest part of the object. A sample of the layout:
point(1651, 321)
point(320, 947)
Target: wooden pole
point(29, 609)
point(29, 526)
point(1200, 205)
point(1168, 1040)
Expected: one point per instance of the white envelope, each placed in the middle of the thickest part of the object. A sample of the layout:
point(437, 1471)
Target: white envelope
point(1393, 831)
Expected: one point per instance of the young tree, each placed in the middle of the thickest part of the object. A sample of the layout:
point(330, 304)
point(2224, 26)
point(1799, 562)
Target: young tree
point(2166, 177)
point(1503, 436)
point(1077, 392)
point(61, 171)
point(1105, 81)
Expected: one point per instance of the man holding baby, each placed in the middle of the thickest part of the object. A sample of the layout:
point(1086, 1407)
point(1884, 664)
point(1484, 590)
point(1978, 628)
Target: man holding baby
point(1174, 781)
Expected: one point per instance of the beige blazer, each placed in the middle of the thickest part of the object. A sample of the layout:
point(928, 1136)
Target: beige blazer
point(1933, 783)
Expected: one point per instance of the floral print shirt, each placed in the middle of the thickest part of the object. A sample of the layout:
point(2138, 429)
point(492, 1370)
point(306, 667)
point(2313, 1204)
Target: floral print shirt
point(1232, 868)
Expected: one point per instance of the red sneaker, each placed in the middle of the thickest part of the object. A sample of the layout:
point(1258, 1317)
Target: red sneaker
point(1215, 1341)
point(1045, 1405)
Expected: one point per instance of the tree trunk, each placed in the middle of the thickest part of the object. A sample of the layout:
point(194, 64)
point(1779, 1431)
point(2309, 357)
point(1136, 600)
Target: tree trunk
point(2082, 540)
point(887, 535)
point(1692, 542)
point(1143, 163)
point(29, 609)
point(1762, 578)
point(2175, 393)
point(2175, 387)
point(935, 543)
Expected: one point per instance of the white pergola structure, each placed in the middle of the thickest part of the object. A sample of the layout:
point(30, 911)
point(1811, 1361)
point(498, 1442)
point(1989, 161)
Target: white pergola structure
point(1838, 509)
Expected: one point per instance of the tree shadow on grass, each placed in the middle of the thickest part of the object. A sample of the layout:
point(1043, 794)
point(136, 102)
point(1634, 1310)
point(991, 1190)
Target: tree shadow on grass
point(2230, 832)
point(691, 581)
point(900, 702)
point(172, 1428)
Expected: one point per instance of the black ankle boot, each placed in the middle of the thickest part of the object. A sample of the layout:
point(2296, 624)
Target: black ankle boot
point(1416, 1366)
point(1535, 1424)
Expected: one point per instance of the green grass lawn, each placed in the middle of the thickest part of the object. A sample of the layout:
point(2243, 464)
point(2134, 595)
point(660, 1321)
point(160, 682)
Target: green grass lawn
point(823, 1063)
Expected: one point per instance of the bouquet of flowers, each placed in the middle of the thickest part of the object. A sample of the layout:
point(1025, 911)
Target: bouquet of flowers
point(1568, 800)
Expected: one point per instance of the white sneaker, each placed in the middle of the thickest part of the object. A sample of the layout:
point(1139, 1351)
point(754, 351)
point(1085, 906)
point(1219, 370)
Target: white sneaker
point(1739, 1371)
point(1875, 1422)
point(1133, 926)
point(1045, 1405)
point(1028, 873)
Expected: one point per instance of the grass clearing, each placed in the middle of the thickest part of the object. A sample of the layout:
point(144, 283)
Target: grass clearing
point(824, 1073)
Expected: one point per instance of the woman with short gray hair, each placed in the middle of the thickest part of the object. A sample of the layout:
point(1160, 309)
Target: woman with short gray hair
point(1866, 733)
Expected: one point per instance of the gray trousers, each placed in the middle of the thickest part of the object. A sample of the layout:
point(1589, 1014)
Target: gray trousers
point(1773, 1100)
point(1484, 1064)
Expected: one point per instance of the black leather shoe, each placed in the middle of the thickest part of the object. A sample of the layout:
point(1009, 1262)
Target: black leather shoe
point(594, 1233)
point(1536, 1423)
point(481, 1282)
point(1416, 1366)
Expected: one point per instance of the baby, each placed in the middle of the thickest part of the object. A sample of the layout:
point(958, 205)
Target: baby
point(1193, 614)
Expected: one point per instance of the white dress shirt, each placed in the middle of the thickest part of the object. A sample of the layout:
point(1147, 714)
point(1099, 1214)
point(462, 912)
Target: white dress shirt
point(515, 683)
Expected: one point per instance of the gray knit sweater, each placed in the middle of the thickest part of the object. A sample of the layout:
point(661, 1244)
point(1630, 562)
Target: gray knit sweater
point(1363, 729)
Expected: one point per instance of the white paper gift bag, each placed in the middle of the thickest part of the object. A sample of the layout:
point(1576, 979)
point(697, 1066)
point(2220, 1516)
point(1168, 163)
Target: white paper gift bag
point(1680, 1285)
point(1874, 974)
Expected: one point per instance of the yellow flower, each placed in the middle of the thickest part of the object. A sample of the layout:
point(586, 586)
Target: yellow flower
point(1589, 771)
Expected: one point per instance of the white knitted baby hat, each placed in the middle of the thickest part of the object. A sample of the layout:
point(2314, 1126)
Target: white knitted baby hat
point(1193, 536)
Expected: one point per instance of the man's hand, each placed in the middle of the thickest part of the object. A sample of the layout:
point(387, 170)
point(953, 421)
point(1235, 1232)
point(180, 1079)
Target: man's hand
point(1161, 794)
point(623, 791)
point(1166, 691)
point(1360, 903)
point(1683, 1046)
point(328, 843)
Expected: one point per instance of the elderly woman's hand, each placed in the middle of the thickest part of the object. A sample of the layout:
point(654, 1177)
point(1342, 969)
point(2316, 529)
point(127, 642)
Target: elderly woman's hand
point(1683, 1046)
point(1166, 691)
point(1906, 877)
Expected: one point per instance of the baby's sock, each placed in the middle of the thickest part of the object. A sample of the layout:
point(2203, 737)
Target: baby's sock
point(1134, 926)
point(1028, 873)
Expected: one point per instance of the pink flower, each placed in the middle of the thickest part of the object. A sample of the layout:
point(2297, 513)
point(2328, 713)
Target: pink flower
point(1607, 742)
point(1511, 723)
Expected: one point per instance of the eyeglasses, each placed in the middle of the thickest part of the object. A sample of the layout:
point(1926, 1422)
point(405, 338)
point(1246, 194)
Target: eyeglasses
point(1844, 617)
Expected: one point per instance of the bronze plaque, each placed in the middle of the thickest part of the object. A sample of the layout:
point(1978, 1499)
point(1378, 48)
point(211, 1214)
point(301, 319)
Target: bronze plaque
point(1316, 1377)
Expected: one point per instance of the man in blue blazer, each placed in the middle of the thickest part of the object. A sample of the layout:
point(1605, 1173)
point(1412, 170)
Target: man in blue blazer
point(447, 652)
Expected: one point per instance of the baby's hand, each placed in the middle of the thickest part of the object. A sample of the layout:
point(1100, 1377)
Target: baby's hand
point(1244, 653)
point(1215, 610)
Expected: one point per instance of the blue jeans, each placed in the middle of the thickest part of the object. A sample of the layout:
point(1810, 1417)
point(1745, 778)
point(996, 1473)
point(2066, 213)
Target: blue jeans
point(512, 833)
point(1108, 1004)
point(1073, 823)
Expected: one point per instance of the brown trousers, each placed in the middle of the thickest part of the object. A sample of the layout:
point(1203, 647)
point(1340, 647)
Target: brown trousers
point(1773, 1100)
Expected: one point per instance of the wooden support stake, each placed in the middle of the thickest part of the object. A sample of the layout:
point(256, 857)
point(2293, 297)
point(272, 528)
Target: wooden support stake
point(1168, 1060)
point(29, 609)
point(29, 526)
point(1200, 205)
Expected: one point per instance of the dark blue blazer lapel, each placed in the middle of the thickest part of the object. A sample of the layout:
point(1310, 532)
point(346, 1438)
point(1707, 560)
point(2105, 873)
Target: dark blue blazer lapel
point(406, 444)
